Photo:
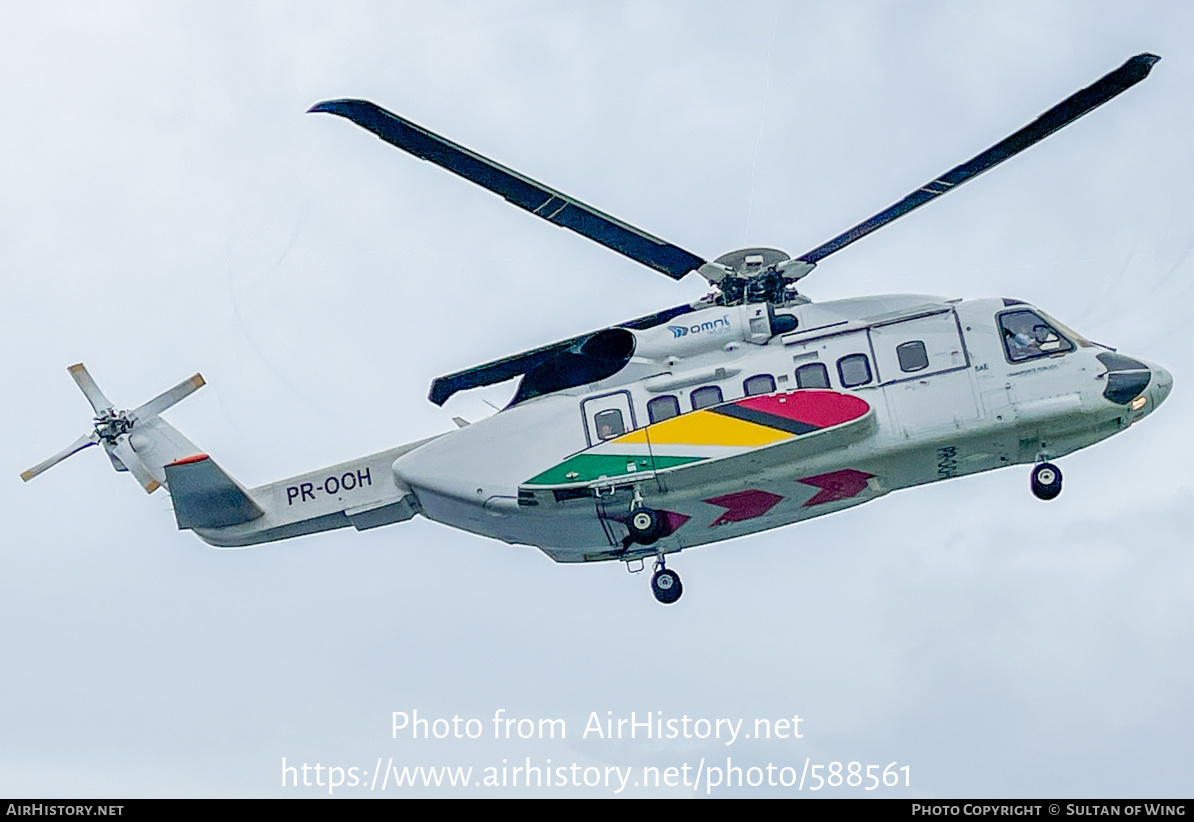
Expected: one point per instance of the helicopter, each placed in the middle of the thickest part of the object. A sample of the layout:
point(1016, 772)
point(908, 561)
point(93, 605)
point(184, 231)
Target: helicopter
point(746, 410)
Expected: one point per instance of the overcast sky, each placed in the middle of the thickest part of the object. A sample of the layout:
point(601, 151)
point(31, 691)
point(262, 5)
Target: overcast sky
point(168, 207)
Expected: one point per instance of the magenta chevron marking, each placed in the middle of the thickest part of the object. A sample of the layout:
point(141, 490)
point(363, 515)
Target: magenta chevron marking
point(836, 485)
point(743, 505)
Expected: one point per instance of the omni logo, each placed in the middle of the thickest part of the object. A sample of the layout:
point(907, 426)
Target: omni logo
point(718, 326)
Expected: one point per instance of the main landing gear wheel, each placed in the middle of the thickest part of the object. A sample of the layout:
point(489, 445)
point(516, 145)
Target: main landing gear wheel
point(666, 586)
point(645, 526)
point(1046, 481)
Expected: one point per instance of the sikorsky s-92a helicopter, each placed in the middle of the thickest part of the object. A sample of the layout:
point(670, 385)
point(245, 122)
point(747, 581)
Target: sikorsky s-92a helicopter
point(749, 409)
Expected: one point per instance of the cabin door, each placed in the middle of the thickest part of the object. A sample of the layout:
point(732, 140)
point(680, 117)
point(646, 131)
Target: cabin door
point(924, 366)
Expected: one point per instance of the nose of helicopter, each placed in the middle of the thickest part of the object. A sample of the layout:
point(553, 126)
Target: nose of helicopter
point(1160, 385)
point(1135, 383)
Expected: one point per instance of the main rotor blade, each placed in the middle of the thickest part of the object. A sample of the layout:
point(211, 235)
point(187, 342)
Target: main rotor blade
point(75, 447)
point(168, 398)
point(553, 206)
point(99, 402)
point(1061, 115)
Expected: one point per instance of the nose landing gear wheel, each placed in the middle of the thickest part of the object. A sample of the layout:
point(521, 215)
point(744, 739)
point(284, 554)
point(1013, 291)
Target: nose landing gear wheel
point(645, 526)
point(1046, 481)
point(666, 586)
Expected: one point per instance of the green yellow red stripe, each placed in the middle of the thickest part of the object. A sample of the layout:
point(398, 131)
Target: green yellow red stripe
point(711, 433)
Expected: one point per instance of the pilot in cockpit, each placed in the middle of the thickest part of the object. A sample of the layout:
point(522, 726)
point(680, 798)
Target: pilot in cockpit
point(1026, 335)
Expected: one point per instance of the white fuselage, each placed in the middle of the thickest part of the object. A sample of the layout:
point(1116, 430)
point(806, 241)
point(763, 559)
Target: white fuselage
point(951, 391)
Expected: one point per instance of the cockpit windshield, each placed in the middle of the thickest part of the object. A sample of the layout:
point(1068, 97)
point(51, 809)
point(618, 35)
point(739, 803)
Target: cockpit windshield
point(1070, 333)
point(1027, 335)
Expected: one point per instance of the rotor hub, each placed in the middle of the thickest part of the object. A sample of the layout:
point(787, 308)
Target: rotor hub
point(749, 262)
point(112, 424)
point(757, 275)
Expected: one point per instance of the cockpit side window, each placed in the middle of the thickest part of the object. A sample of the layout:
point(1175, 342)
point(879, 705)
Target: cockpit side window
point(1027, 335)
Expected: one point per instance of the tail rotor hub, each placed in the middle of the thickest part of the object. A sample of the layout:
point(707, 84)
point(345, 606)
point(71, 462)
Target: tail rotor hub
point(112, 424)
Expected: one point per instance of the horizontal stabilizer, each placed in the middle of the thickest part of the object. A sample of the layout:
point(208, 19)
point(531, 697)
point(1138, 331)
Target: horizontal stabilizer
point(205, 497)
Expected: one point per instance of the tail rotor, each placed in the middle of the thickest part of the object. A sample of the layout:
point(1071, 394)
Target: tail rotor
point(127, 436)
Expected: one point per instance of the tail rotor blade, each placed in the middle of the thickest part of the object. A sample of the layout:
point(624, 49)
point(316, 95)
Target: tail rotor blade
point(98, 401)
point(168, 398)
point(75, 447)
point(125, 453)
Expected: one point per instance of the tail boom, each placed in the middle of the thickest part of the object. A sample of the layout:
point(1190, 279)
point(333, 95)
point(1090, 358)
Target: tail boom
point(361, 493)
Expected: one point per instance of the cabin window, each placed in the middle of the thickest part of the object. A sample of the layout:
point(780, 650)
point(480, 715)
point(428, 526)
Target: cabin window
point(813, 375)
point(609, 424)
point(854, 370)
point(1027, 336)
point(705, 396)
point(663, 408)
point(912, 356)
point(759, 384)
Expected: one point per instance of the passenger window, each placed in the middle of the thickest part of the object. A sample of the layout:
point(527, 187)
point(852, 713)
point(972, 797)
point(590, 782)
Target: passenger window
point(813, 375)
point(609, 424)
point(663, 408)
point(759, 384)
point(704, 397)
point(854, 370)
point(1026, 336)
point(912, 355)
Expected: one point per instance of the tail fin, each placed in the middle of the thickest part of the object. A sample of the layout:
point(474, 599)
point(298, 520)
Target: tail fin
point(205, 497)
